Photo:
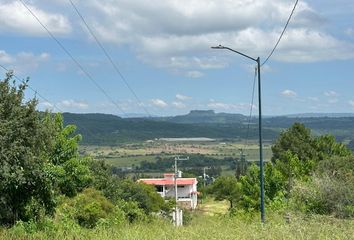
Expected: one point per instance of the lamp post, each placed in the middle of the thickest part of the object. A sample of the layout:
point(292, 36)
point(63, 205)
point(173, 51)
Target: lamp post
point(260, 125)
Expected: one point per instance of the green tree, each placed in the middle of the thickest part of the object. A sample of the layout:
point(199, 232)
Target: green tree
point(298, 140)
point(143, 194)
point(24, 144)
point(70, 173)
point(226, 188)
point(274, 186)
point(327, 147)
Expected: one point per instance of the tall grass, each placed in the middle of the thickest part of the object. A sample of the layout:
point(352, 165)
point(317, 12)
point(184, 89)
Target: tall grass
point(203, 227)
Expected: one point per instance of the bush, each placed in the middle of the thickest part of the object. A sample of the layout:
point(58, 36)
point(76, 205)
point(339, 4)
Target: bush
point(88, 207)
point(324, 195)
point(131, 210)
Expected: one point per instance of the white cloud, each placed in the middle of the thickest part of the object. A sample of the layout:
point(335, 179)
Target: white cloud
point(194, 74)
point(23, 62)
point(351, 103)
point(288, 93)
point(45, 105)
point(330, 93)
point(5, 57)
point(178, 34)
point(73, 104)
point(182, 97)
point(179, 104)
point(159, 103)
point(14, 17)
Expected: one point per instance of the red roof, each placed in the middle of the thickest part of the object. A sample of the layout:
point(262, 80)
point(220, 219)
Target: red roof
point(163, 181)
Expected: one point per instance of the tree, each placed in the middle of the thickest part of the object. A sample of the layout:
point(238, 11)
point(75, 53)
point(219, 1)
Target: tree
point(143, 194)
point(297, 139)
point(226, 188)
point(327, 147)
point(274, 186)
point(24, 143)
point(296, 153)
point(70, 173)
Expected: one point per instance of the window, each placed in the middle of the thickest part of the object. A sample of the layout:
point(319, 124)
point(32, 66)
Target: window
point(159, 188)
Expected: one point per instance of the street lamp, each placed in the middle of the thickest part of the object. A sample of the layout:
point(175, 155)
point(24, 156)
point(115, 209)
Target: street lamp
point(259, 122)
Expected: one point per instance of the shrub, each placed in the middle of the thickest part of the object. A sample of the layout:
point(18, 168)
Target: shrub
point(88, 207)
point(325, 195)
point(131, 210)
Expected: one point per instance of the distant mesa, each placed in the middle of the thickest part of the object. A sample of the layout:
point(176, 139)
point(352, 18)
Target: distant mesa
point(196, 139)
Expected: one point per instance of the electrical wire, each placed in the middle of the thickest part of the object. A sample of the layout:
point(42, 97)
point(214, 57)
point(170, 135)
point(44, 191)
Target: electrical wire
point(251, 109)
point(32, 89)
point(281, 35)
point(88, 75)
point(41, 96)
point(109, 57)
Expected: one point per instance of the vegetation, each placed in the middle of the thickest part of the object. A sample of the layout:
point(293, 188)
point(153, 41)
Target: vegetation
point(50, 191)
point(313, 174)
point(43, 175)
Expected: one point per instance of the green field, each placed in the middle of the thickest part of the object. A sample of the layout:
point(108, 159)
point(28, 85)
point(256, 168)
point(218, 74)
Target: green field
point(131, 155)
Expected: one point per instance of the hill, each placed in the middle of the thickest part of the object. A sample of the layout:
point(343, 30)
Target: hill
point(205, 116)
point(105, 129)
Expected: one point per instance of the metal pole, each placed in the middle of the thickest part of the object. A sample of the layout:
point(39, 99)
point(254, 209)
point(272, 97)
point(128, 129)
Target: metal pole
point(204, 177)
point(260, 141)
point(176, 196)
point(261, 168)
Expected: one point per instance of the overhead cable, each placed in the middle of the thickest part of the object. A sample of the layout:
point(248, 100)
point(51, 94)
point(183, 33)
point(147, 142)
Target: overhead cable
point(109, 57)
point(281, 35)
point(88, 75)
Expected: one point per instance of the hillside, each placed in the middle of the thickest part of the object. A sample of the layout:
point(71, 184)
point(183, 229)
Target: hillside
point(105, 129)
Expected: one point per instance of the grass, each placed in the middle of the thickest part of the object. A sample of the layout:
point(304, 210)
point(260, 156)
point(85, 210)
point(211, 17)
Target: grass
point(206, 227)
point(210, 207)
point(128, 161)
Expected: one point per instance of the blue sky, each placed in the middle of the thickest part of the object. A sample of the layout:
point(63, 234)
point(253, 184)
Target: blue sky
point(163, 50)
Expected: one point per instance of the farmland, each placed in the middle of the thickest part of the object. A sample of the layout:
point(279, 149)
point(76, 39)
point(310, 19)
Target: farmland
point(132, 155)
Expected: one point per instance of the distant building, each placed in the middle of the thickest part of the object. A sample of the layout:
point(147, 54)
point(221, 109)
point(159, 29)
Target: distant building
point(186, 189)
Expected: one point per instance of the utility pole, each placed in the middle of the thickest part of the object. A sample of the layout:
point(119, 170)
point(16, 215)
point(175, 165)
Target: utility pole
point(261, 170)
point(177, 158)
point(204, 175)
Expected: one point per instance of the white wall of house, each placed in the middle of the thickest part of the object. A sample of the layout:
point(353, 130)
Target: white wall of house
point(187, 194)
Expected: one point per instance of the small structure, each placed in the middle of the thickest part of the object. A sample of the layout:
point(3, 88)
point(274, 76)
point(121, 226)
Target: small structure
point(186, 189)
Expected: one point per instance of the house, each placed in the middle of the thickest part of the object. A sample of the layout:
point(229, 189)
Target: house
point(186, 189)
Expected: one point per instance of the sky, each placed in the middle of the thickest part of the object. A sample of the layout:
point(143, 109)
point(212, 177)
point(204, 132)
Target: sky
point(162, 52)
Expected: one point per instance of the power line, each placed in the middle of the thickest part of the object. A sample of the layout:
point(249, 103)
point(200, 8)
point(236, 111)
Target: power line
point(109, 57)
point(32, 89)
point(72, 57)
point(251, 108)
point(41, 96)
point(281, 35)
